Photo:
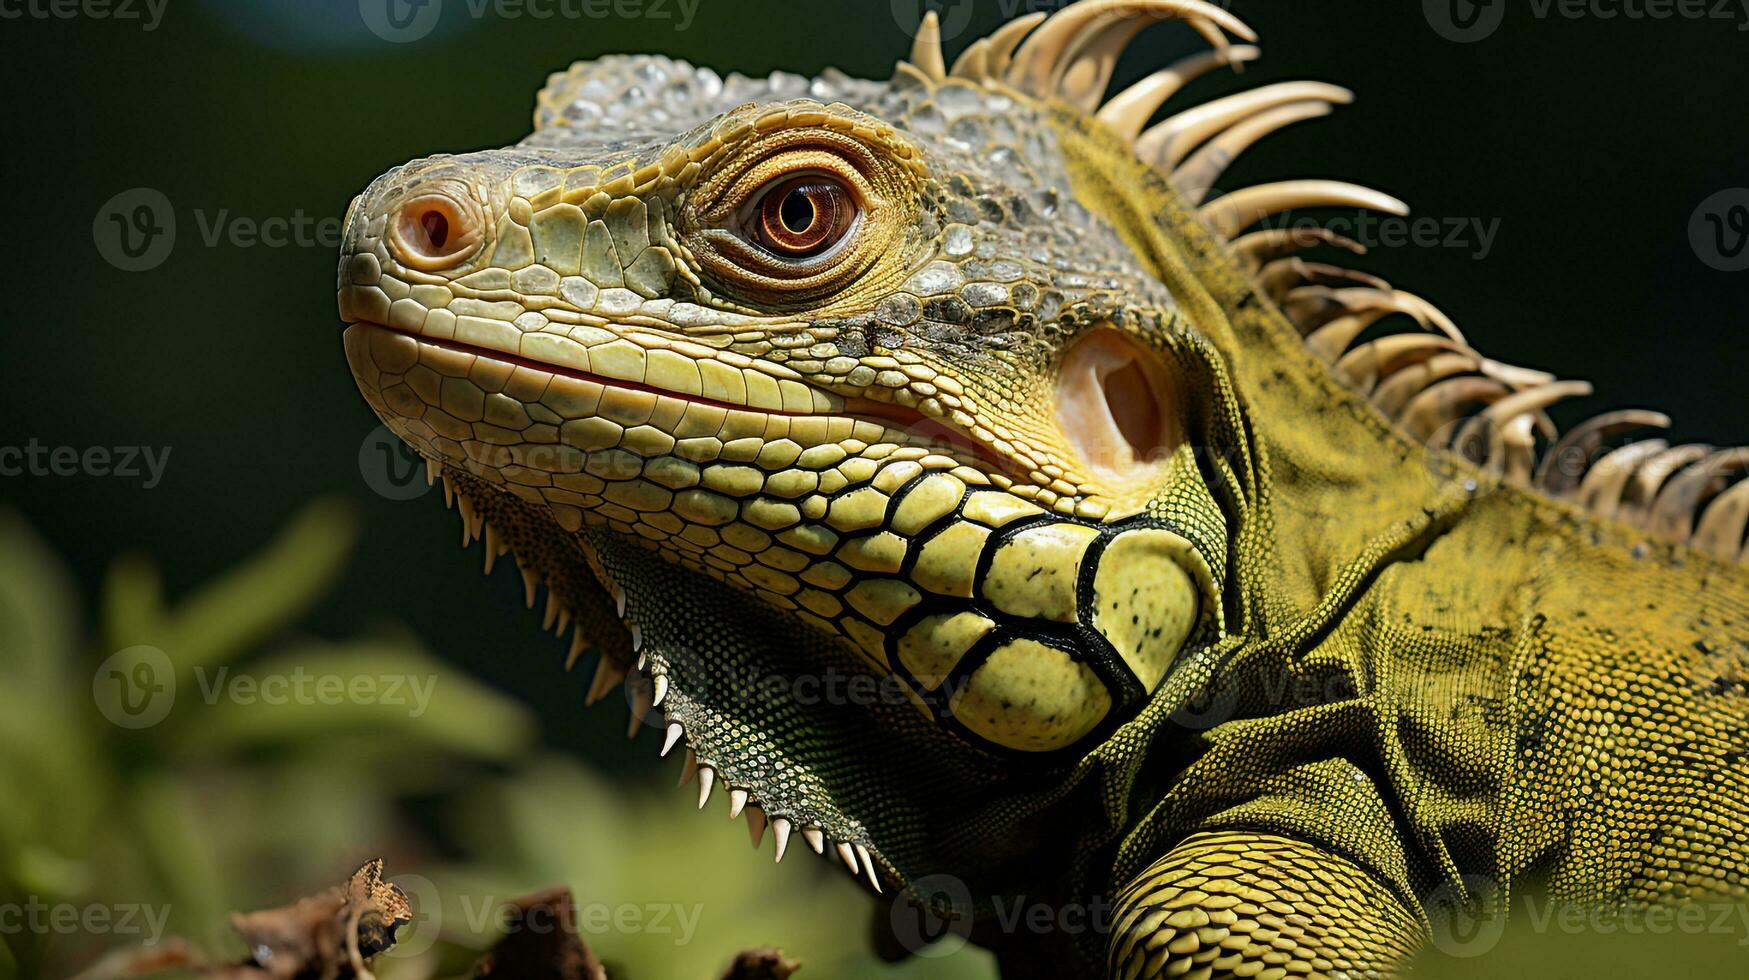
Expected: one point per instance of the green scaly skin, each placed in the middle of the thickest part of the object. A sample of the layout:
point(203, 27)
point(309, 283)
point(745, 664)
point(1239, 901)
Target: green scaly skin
point(1020, 538)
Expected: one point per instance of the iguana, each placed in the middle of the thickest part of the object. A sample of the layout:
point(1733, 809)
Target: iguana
point(980, 498)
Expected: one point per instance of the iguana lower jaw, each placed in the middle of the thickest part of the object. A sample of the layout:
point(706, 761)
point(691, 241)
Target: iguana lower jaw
point(1046, 586)
point(1144, 589)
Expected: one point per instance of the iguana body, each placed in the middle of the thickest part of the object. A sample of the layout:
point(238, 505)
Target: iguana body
point(972, 506)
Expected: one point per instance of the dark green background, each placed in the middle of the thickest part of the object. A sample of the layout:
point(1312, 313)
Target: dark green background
point(1592, 141)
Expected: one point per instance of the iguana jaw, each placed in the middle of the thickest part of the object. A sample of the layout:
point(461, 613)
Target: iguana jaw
point(476, 410)
point(592, 567)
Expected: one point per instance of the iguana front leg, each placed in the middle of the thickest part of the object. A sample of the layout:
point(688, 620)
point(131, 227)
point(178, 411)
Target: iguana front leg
point(1251, 905)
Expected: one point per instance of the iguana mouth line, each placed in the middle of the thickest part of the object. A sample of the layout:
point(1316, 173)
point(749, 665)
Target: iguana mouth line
point(908, 420)
point(547, 367)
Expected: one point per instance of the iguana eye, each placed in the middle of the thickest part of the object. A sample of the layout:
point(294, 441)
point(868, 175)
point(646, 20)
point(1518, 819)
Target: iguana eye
point(796, 216)
point(803, 216)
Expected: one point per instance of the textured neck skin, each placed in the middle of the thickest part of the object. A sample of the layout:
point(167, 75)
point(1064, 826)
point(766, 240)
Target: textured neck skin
point(1439, 675)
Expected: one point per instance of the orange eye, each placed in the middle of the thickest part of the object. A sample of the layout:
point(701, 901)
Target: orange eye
point(804, 216)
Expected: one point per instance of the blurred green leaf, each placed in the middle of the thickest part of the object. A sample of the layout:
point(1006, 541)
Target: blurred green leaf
point(277, 769)
point(661, 888)
point(133, 602)
point(317, 692)
point(8, 959)
point(37, 613)
point(258, 600)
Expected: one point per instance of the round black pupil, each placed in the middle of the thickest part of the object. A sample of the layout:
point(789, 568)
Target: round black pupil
point(436, 228)
point(797, 212)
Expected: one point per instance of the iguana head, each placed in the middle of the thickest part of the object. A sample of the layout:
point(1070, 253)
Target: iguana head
point(903, 433)
point(851, 357)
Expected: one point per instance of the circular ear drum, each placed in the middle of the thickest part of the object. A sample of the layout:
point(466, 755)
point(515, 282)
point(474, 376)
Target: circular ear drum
point(1118, 403)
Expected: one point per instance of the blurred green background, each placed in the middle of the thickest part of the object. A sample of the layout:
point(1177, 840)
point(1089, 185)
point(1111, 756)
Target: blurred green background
point(1591, 142)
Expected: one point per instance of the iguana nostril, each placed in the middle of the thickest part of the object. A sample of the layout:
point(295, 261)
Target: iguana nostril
point(435, 231)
